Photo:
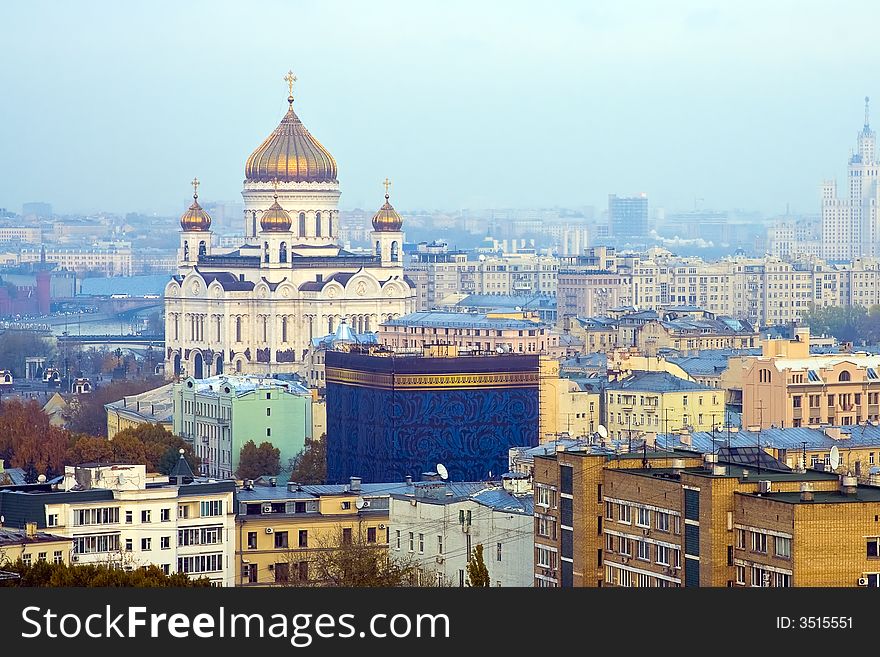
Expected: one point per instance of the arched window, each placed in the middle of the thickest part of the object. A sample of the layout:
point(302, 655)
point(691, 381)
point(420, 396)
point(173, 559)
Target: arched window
point(764, 376)
point(284, 329)
point(238, 329)
point(329, 224)
point(378, 249)
point(238, 366)
point(318, 224)
point(282, 252)
point(186, 250)
point(203, 249)
point(254, 220)
point(844, 376)
point(330, 324)
point(266, 251)
point(302, 224)
point(395, 253)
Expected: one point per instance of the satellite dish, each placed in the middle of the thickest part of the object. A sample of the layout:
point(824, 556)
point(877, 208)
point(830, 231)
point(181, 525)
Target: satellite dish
point(359, 502)
point(602, 431)
point(442, 471)
point(835, 458)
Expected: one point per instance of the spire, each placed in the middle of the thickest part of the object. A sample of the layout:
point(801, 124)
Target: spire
point(387, 184)
point(867, 122)
point(290, 78)
point(195, 184)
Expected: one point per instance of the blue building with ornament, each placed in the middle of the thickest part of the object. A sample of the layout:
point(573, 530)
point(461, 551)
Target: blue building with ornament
point(392, 415)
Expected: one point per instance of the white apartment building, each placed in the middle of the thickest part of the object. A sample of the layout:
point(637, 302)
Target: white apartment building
point(117, 514)
point(440, 523)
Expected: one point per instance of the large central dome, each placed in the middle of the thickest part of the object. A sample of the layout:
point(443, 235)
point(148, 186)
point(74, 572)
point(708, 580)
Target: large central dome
point(290, 154)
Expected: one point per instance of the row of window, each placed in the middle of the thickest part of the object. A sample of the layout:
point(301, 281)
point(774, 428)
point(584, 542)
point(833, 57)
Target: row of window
point(762, 578)
point(663, 555)
point(57, 557)
point(109, 515)
point(758, 542)
point(662, 520)
point(627, 579)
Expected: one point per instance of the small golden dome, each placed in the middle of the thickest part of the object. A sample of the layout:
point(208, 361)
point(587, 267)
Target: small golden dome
point(290, 154)
point(276, 219)
point(387, 219)
point(195, 218)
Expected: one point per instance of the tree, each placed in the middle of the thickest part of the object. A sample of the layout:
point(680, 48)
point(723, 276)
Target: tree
point(89, 449)
point(256, 461)
point(477, 573)
point(15, 346)
point(310, 465)
point(45, 574)
point(846, 323)
point(90, 416)
point(150, 444)
point(28, 441)
point(350, 560)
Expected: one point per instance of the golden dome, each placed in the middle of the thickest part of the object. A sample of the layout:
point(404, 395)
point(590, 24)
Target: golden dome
point(290, 154)
point(276, 219)
point(195, 218)
point(387, 219)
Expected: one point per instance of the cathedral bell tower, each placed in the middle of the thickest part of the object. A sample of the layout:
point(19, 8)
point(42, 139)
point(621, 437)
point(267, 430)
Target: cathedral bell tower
point(195, 232)
point(386, 236)
point(276, 236)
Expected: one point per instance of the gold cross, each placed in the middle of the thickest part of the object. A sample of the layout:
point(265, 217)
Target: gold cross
point(290, 78)
point(195, 184)
point(387, 184)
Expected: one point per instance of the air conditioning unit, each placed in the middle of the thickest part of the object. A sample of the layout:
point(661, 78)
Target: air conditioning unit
point(269, 530)
point(646, 531)
point(440, 558)
point(271, 566)
point(75, 557)
point(366, 504)
point(624, 559)
point(466, 528)
point(863, 581)
point(267, 508)
point(382, 526)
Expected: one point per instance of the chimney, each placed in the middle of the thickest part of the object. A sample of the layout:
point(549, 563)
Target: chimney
point(273, 481)
point(31, 529)
point(848, 484)
point(2, 465)
point(685, 438)
point(354, 485)
point(806, 492)
point(408, 480)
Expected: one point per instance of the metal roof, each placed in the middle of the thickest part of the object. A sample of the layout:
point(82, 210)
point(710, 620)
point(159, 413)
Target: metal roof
point(780, 438)
point(656, 382)
point(463, 320)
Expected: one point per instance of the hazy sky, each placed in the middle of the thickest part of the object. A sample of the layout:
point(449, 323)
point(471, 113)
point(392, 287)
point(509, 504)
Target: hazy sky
point(117, 105)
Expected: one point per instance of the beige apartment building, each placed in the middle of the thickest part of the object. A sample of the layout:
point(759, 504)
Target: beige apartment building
point(786, 386)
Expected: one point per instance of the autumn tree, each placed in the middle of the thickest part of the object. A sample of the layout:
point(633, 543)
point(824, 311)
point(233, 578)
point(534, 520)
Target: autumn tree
point(89, 415)
point(15, 346)
point(477, 573)
point(350, 559)
point(28, 441)
point(310, 465)
point(89, 449)
point(256, 461)
point(150, 444)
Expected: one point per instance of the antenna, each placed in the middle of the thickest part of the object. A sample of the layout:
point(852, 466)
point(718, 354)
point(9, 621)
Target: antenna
point(359, 502)
point(835, 458)
point(442, 471)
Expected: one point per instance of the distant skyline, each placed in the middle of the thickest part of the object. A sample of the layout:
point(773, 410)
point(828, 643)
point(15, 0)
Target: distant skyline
point(116, 106)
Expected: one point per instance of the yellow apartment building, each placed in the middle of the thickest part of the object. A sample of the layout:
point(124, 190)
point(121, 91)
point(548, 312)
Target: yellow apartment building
point(31, 546)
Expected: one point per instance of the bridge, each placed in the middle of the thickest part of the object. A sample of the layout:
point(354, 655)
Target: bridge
point(110, 305)
point(129, 341)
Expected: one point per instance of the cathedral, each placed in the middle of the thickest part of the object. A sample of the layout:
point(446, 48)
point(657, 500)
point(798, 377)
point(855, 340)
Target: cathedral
point(255, 309)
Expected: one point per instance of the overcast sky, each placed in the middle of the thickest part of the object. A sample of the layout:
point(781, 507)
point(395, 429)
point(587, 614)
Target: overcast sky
point(116, 106)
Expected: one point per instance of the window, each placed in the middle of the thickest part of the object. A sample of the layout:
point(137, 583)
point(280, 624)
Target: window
point(783, 547)
point(609, 542)
point(546, 527)
point(129, 545)
point(281, 540)
point(661, 521)
point(566, 479)
point(52, 520)
point(421, 543)
point(872, 547)
point(760, 577)
point(26, 557)
point(740, 575)
point(268, 412)
point(146, 516)
point(662, 555)
point(268, 431)
point(397, 537)
point(371, 534)
point(546, 558)
point(165, 515)
point(643, 518)
point(844, 376)
point(412, 542)
point(624, 546)
point(165, 542)
point(759, 542)
point(57, 557)
point(304, 538)
point(146, 544)
point(609, 510)
point(346, 505)
point(498, 552)
point(211, 508)
point(252, 540)
point(741, 539)
point(461, 578)
point(781, 580)
point(100, 516)
point(624, 578)
point(203, 563)
point(182, 511)
point(282, 573)
point(796, 401)
point(623, 513)
point(41, 556)
point(644, 551)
